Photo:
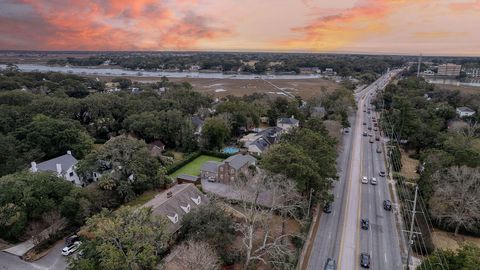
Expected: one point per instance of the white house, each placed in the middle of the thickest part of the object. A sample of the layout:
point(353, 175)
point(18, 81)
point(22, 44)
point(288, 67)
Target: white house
point(464, 112)
point(63, 166)
point(287, 123)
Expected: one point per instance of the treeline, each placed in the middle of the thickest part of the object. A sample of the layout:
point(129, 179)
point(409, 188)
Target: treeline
point(425, 121)
point(363, 66)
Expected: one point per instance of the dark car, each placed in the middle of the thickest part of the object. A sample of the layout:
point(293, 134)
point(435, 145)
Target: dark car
point(365, 260)
point(369, 128)
point(346, 131)
point(381, 173)
point(379, 150)
point(387, 205)
point(330, 264)
point(364, 123)
point(71, 239)
point(365, 133)
point(377, 138)
point(365, 224)
point(371, 140)
point(327, 208)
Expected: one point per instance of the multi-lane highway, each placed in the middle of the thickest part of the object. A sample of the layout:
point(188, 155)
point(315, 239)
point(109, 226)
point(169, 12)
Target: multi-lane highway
point(339, 235)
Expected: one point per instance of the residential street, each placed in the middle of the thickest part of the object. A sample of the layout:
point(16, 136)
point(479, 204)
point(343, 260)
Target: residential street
point(339, 235)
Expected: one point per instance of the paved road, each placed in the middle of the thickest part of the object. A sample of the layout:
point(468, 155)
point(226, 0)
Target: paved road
point(339, 235)
point(52, 261)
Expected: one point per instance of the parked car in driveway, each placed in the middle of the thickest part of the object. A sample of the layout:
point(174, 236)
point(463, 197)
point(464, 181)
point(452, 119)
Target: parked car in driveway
point(365, 224)
point(387, 205)
point(364, 180)
point(365, 260)
point(71, 248)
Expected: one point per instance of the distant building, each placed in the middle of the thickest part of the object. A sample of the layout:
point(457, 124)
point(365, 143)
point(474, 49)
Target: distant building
point(329, 72)
point(175, 202)
point(62, 166)
point(449, 70)
point(464, 112)
point(309, 70)
point(197, 124)
point(228, 170)
point(474, 72)
point(156, 148)
point(287, 123)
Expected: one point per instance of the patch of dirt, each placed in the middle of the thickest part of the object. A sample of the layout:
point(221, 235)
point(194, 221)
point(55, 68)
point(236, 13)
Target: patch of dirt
point(409, 166)
point(447, 240)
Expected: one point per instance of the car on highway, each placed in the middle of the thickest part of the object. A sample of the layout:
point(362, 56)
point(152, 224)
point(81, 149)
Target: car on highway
point(330, 264)
point(364, 123)
point(375, 129)
point(365, 224)
point(373, 181)
point(379, 150)
point(365, 260)
point(71, 248)
point(377, 138)
point(381, 173)
point(371, 140)
point(387, 205)
point(365, 133)
point(327, 208)
point(369, 128)
point(346, 131)
point(364, 180)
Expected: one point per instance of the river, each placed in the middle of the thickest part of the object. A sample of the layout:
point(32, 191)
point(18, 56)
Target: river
point(115, 72)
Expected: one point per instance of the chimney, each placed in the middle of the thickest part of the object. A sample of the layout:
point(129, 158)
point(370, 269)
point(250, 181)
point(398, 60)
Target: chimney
point(293, 117)
point(34, 166)
point(59, 169)
point(69, 152)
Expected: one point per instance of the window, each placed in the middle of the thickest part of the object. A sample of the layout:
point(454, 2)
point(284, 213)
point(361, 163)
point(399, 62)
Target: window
point(173, 219)
point(186, 209)
point(197, 200)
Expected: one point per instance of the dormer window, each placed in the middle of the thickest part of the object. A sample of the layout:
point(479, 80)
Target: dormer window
point(197, 200)
point(173, 219)
point(186, 209)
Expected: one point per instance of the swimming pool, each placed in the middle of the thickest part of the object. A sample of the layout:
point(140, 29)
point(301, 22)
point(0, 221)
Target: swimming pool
point(230, 150)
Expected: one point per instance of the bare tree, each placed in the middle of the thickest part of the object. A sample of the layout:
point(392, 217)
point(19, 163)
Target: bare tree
point(261, 196)
point(456, 197)
point(197, 256)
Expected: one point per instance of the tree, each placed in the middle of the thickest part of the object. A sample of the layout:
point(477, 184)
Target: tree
point(13, 161)
point(271, 247)
point(46, 137)
point(209, 223)
point(456, 197)
point(465, 258)
point(128, 238)
point(123, 83)
point(197, 256)
point(29, 196)
point(215, 133)
point(127, 167)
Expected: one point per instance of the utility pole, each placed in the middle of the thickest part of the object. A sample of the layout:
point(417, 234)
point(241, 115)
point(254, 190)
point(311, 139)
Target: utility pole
point(410, 236)
point(419, 62)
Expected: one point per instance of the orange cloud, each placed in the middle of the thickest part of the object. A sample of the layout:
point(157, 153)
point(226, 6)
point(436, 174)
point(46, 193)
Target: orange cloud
point(438, 34)
point(113, 25)
point(330, 32)
point(466, 6)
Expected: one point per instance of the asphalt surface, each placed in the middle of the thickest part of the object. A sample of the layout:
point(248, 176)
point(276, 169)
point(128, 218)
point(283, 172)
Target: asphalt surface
point(339, 235)
point(54, 260)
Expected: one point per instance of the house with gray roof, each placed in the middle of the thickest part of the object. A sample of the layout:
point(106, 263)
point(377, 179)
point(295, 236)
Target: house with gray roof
point(287, 123)
point(258, 143)
point(464, 112)
point(63, 166)
point(228, 170)
point(175, 202)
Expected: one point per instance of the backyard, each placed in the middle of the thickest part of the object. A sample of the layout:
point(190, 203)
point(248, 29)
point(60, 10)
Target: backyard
point(193, 167)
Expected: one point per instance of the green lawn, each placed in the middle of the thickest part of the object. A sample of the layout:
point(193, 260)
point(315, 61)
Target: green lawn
point(193, 168)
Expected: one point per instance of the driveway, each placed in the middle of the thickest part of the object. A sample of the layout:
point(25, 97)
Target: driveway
point(54, 260)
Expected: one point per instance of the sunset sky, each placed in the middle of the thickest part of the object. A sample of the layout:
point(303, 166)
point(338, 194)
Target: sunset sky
point(430, 27)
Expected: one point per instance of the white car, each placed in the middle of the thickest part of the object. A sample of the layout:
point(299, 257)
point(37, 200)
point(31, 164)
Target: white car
point(373, 181)
point(364, 180)
point(71, 249)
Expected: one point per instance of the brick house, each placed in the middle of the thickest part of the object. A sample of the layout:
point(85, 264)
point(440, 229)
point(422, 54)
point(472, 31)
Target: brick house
point(227, 171)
